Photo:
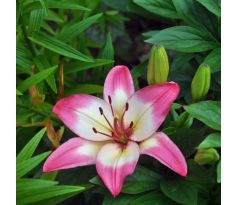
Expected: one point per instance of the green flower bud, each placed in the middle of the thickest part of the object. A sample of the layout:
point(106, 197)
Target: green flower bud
point(206, 156)
point(158, 66)
point(201, 82)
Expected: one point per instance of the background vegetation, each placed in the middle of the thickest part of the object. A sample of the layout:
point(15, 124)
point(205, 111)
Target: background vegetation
point(68, 46)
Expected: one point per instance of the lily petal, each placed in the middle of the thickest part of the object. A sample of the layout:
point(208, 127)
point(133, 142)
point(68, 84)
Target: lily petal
point(81, 114)
point(75, 152)
point(163, 149)
point(148, 108)
point(119, 86)
point(115, 162)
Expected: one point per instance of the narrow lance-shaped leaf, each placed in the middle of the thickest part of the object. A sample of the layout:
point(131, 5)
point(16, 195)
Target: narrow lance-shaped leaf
point(71, 31)
point(35, 79)
point(30, 147)
point(59, 47)
point(212, 6)
point(27, 165)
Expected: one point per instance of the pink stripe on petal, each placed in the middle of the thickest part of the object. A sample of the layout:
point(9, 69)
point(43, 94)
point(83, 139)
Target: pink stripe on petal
point(148, 108)
point(163, 149)
point(75, 152)
point(81, 113)
point(115, 162)
point(119, 86)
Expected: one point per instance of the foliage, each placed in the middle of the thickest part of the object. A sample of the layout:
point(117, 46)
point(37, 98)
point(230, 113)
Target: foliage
point(66, 47)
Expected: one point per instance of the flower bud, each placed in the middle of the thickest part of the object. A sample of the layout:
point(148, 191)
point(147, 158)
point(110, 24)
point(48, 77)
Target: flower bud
point(158, 66)
point(206, 156)
point(201, 82)
point(36, 97)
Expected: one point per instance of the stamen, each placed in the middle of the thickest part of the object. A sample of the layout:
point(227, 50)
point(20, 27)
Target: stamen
point(122, 117)
point(101, 112)
point(97, 132)
point(117, 127)
point(110, 102)
point(131, 124)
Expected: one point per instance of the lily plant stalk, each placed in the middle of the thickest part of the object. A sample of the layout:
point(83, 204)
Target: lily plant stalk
point(112, 133)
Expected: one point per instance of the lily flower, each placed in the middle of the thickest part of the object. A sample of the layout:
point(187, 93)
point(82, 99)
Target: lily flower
point(112, 133)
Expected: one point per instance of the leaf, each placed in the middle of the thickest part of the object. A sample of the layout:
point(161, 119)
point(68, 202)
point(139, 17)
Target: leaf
point(142, 180)
point(71, 31)
point(108, 51)
point(59, 47)
point(163, 8)
point(42, 63)
point(219, 172)
point(122, 199)
point(47, 195)
point(209, 112)
point(18, 92)
point(213, 59)
point(35, 79)
point(55, 4)
point(188, 139)
point(26, 184)
point(180, 191)
point(153, 198)
point(85, 89)
point(27, 165)
point(183, 38)
point(212, 6)
point(53, 16)
point(36, 18)
point(30, 147)
point(76, 66)
point(180, 60)
point(188, 10)
point(212, 140)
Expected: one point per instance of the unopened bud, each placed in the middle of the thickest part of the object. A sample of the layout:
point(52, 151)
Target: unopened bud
point(206, 156)
point(201, 82)
point(158, 66)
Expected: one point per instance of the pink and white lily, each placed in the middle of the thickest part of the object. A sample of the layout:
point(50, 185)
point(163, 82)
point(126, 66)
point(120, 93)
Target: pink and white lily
point(112, 133)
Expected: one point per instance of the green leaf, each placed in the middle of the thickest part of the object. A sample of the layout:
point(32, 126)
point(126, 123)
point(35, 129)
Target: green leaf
point(18, 92)
point(142, 180)
point(71, 31)
point(183, 38)
point(42, 63)
point(122, 199)
point(30, 147)
point(56, 4)
point(59, 47)
point(213, 59)
point(76, 66)
point(188, 10)
point(209, 112)
point(108, 51)
point(219, 172)
point(53, 16)
point(180, 191)
point(153, 198)
point(26, 184)
point(212, 140)
point(27, 165)
point(163, 8)
point(212, 6)
point(47, 195)
point(35, 79)
point(35, 21)
point(85, 89)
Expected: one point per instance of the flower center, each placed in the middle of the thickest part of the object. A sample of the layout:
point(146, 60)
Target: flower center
point(119, 132)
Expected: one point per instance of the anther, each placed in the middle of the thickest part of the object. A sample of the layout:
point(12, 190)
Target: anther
point(127, 106)
point(131, 124)
point(94, 130)
point(109, 99)
point(101, 110)
point(110, 102)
